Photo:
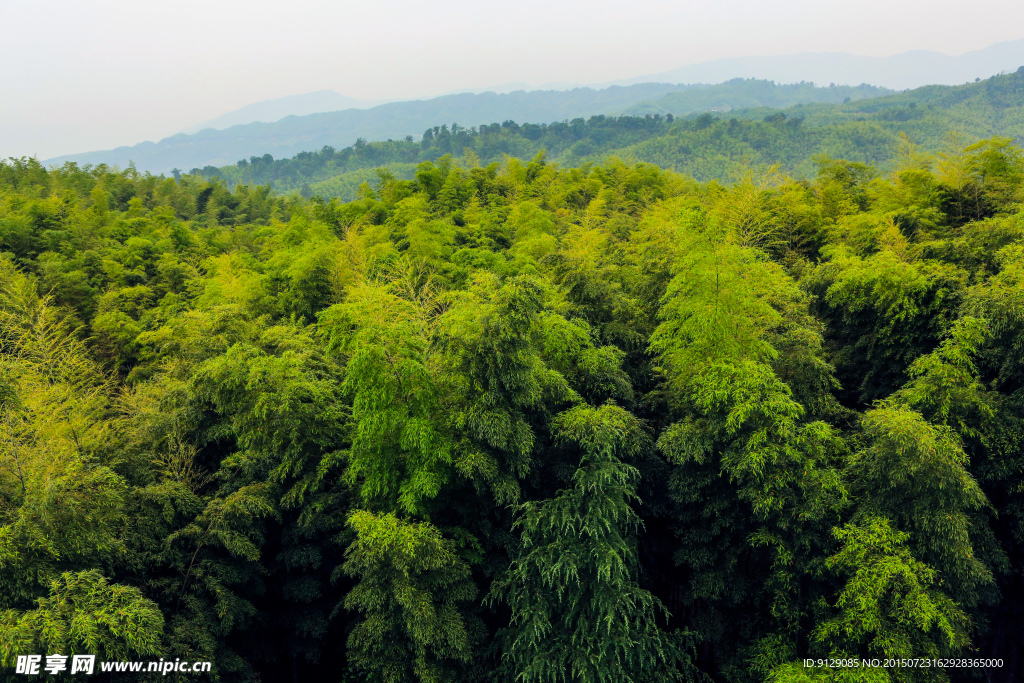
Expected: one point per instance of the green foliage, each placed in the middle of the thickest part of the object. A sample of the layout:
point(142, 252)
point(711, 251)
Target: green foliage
point(944, 384)
point(61, 499)
point(494, 419)
point(915, 474)
point(411, 591)
point(398, 453)
point(888, 311)
point(84, 613)
point(578, 613)
point(891, 605)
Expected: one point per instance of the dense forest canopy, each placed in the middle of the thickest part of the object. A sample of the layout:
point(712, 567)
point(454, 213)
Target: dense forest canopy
point(517, 422)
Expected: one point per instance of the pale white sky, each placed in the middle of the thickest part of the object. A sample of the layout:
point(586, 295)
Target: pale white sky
point(78, 76)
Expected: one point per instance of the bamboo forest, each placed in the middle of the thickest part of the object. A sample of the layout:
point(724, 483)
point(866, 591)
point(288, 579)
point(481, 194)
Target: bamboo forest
point(513, 419)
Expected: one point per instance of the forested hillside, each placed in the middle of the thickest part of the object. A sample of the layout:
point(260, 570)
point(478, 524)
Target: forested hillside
point(516, 422)
point(397, 120)
point(708, 146)
point(745, 93)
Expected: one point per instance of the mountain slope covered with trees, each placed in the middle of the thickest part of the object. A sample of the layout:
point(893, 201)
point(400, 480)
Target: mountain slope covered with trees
point(397, 120)
point(707, 146)
point(516, 422)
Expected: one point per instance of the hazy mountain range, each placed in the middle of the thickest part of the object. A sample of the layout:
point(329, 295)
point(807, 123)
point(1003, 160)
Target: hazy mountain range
point(705, 146)
point(269, 111)
point(899, 72)
point(323, 101)
point(396, 120)
point(285, 126)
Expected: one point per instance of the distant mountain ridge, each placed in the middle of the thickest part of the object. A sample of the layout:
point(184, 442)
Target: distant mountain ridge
point(898, 72)
point(396, 120)
point(269, 111)
point(706, 146)
point(751, 93)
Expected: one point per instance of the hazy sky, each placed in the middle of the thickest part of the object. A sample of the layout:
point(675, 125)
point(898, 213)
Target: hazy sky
point(78, 76)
